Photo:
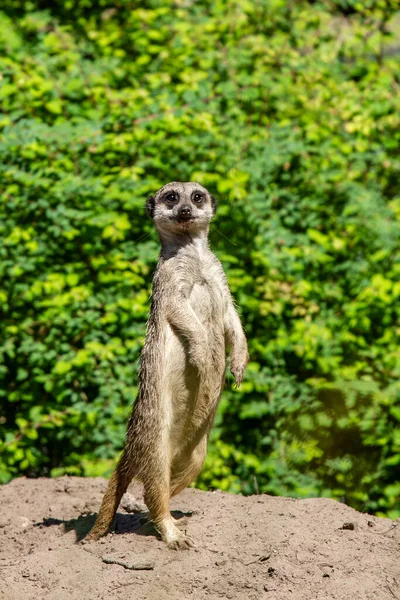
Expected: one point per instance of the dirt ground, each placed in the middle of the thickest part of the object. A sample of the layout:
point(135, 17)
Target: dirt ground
point(251, 548)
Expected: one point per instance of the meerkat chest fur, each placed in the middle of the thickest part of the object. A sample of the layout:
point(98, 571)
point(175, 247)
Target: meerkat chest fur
point(192, 292)
point(203, 273)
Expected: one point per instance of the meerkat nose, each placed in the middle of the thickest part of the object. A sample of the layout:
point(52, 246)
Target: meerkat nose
point(185, 211)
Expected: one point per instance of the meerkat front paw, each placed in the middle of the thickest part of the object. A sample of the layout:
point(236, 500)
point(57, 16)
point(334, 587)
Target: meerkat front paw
point(237, 368)
point(238, 373)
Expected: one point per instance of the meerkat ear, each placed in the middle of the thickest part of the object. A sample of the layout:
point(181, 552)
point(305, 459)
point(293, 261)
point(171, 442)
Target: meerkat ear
point(213, 204)
point(150, 203)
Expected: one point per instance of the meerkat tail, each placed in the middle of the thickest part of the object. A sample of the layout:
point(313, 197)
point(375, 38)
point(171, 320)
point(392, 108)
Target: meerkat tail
point(117, 487)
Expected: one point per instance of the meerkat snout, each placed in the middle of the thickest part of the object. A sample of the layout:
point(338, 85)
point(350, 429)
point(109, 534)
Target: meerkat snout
point(185, 212)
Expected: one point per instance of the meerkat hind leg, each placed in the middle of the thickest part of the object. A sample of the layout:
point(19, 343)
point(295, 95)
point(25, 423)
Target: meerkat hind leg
point(117, 486)
point(156, 497)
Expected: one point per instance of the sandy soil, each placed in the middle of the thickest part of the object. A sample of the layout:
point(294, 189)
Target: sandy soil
point(251, 548)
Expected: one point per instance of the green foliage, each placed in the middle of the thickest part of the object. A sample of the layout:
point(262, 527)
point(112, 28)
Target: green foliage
point(289, 112)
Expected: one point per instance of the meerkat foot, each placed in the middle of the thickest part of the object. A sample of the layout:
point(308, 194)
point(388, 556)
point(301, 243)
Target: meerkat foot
point(172, 536)
point(184, 543)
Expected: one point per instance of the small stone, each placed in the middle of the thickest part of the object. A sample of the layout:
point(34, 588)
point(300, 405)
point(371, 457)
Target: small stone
point(4, 523)
point(264, 557)
point(130, 504)
point(23, 522)
point(349, 525)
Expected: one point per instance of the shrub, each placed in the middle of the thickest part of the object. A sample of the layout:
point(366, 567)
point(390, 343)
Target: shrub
point(289, 113)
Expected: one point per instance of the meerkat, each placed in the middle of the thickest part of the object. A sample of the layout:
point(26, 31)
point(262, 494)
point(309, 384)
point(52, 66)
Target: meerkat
point(192, 324)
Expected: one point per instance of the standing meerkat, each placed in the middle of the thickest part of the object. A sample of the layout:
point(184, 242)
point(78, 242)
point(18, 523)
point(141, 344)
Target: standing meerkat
point(192, 323)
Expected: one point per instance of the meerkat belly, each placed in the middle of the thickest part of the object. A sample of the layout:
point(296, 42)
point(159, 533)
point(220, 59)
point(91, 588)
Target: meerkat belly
point(193, 400)
point(181, 385)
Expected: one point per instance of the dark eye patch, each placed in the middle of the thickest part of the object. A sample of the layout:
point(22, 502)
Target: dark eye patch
point(198, 197)
point(171, 197)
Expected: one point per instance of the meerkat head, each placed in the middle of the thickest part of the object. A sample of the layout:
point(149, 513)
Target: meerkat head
point(181, 207)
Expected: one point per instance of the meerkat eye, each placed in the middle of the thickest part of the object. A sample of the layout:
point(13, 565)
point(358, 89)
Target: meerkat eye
point(171, 197)
point(198, 197)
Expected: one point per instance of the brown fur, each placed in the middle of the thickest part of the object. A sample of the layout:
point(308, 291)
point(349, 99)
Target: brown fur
point(182, 367)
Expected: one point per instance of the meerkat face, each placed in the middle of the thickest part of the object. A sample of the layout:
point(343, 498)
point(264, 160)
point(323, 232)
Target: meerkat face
point(181, 207)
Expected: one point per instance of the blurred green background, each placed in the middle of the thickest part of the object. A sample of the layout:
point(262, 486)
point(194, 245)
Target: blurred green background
point(289, 112)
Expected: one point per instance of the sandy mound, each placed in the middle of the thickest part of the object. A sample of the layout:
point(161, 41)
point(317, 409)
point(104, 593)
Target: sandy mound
point(246, 548)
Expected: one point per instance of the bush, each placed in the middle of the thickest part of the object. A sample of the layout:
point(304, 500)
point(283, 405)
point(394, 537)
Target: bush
point(289, 113)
